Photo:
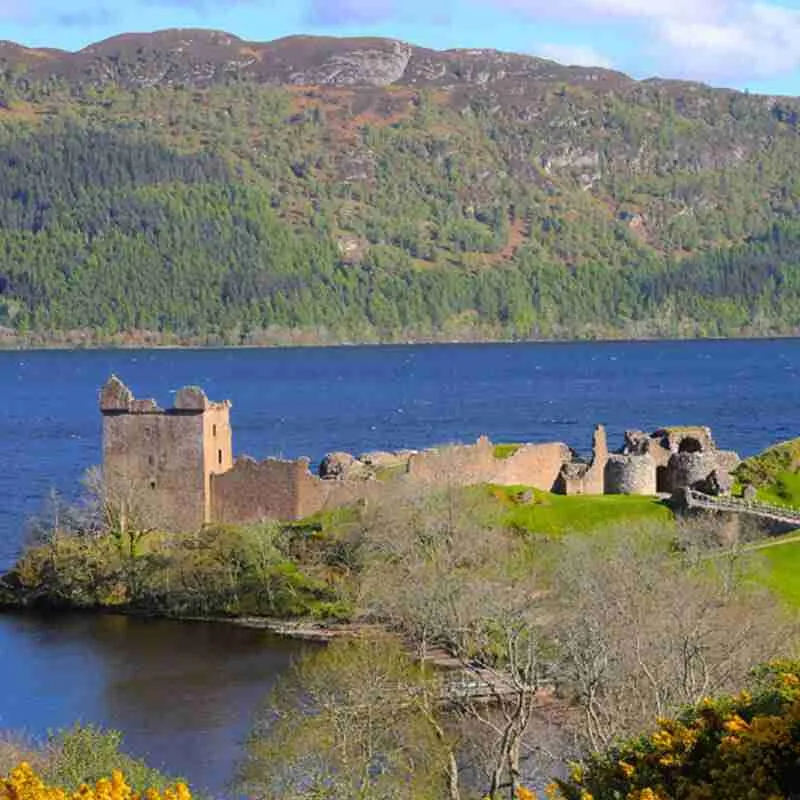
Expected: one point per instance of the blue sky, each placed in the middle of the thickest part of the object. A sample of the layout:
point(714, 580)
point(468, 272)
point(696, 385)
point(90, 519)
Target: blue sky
point(749, 44)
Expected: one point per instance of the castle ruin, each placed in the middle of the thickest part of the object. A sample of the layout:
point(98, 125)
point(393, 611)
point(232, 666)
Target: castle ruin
point(178, 465)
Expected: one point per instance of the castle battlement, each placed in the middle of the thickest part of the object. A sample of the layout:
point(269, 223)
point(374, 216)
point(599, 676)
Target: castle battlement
point(117, 398)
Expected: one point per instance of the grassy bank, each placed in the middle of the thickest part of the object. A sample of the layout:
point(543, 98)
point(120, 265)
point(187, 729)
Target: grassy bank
point(775, 474)
point(782, 573)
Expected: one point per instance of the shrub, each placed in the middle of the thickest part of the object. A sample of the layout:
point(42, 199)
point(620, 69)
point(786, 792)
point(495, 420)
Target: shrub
point(84, 754)
point(734, 747)
point(219, 571)
point(23, 783)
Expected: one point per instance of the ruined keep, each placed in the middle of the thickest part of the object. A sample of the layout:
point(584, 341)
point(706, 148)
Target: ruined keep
point(175, 467)
point(160, 463)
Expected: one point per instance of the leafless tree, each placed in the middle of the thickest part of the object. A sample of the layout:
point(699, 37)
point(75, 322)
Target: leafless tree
point(122, 506)
point(345, 725)
point(644, 630)
point(438, 570)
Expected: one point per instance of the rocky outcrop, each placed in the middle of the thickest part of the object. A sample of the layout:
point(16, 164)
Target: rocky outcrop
point(380, 65)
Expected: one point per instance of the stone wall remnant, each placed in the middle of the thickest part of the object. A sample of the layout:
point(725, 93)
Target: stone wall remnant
point(693, 469)
point(115, 396)
point(578, 478)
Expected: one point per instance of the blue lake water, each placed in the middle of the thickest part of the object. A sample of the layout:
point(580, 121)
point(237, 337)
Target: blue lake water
point(304, 403)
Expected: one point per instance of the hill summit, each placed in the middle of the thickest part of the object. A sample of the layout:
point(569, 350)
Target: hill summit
point(199, 58)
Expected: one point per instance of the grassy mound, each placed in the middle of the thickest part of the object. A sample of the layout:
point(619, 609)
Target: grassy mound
point(534, 511)
point(775, 473)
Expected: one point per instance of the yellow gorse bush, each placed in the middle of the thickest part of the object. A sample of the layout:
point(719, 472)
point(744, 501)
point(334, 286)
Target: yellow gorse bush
point(745, 747)
point(24, 784)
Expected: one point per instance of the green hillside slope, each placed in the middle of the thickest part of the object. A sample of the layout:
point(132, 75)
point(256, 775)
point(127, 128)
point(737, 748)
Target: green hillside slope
point(193, 185)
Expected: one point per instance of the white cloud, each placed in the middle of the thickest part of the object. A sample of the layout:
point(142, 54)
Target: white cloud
point(703, 39)
point(12, 10)
point(753, 40)
point(574, 55)
point(616, 10)
point(343, 12)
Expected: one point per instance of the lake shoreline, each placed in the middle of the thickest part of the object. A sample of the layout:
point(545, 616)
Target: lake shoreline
point(306, 630)
point(166, 344)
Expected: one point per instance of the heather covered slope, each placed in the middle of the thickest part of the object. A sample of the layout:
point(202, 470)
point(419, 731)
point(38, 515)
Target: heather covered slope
point(193, 184)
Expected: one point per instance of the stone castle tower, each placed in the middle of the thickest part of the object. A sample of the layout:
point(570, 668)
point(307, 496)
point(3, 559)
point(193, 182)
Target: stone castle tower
point(159, 463)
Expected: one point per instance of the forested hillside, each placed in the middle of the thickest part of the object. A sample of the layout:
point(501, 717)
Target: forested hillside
point(188, 185)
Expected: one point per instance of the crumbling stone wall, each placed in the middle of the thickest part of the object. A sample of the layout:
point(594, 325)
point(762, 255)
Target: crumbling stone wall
point(686, 470)
point(536, 465)
point(694, 470)
point(638, 443)
point(456, 464)
point(693, 439)
point(578, 478)
point(254, 491)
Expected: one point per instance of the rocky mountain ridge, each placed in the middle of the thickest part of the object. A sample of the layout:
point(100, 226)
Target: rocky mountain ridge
point(198, 58)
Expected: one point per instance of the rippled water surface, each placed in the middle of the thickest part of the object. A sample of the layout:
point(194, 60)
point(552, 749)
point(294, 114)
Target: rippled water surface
point(183, 694)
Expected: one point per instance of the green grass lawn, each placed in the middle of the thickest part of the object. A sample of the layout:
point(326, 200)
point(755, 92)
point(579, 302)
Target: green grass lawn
point(556, 515)
point(778, 568)
point(503, 451)
point(783, 491)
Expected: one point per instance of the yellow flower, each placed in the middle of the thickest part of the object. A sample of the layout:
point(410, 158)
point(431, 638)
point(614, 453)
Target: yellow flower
point(24, 784)
point(626, 769)
point(662, 739)
point(736, 725)
point(646, 794)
